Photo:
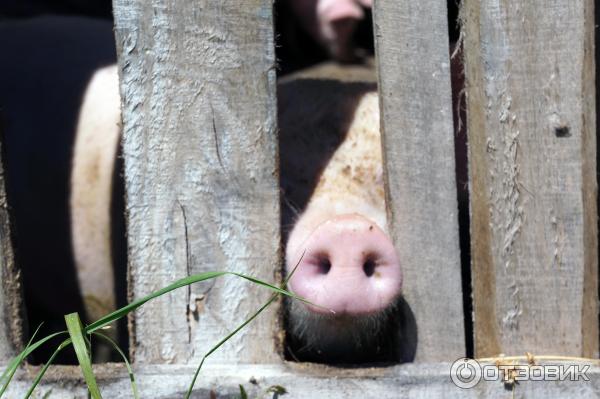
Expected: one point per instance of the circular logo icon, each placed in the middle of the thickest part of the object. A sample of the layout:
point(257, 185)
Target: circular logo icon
point(465, 373)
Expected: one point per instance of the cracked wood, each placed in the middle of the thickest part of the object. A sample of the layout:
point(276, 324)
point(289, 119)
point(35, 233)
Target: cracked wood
point(200, 152)
point(532, 142)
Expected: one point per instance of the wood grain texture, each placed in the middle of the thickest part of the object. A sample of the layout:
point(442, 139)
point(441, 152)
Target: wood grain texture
point(200, 152)
point(11, 315)
point(417, 127)
point(532, 126)
point(423, 381)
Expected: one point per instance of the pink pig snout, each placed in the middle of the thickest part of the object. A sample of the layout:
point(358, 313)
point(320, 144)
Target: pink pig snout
point(330, 11)
point(349, 266)
point(332, 22)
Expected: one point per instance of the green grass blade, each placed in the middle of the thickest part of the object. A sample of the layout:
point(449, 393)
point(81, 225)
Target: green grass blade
point(41, 373)
point(129, 369)
point(178, 284)
point(136, 304)
point(278, 290)
point(244, 324)
point(81, 344)
point(243, 394)
point(12, 367)
point(287, 279)
point(221, 342)
point(14, 364)
point(83, 356)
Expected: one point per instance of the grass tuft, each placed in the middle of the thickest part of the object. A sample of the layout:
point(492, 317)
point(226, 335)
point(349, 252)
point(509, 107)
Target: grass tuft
point(83, 355)
point(79, 336)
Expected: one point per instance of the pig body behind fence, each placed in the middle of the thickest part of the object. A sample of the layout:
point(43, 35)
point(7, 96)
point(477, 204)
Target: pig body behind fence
point(332, 186)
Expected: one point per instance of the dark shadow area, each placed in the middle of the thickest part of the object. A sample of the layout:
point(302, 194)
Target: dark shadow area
point(453, 22)
point(408, 333)
point(47, 65)
point(459, 113)
point(295, 49)
point(462, 190)
point(30, 8)
point(118, 229)
point(396, 342)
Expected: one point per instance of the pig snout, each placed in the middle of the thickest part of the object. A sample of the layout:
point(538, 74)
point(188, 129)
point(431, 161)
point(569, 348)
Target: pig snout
point(348, 266)
point(332, 23)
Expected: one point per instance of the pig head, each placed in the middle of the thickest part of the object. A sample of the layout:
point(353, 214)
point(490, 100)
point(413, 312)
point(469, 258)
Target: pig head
point(333, 201)
point(332, 23)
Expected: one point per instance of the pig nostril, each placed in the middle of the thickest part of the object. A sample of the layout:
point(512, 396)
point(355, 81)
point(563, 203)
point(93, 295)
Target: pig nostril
point(324, 265)
point(369, 267)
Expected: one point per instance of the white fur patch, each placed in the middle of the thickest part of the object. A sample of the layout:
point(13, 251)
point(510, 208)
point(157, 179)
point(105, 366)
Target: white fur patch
point(96, 142)
point(352, 181)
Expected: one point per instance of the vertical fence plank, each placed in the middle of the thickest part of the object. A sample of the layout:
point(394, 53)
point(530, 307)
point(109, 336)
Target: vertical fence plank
point(416, 106)
point(532, 126)
point(200, 149)
point(11, 323)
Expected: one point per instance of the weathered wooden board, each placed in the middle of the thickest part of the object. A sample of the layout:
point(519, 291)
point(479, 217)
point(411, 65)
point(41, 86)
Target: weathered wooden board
point(200, 152)
point(417, 126)
point(532, 127)
point(426, 381)
point(11, 323)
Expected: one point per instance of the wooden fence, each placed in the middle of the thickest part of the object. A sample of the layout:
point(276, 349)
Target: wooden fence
point(198, 81)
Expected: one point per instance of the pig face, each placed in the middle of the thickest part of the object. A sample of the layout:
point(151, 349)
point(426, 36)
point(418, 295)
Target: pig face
point(331, 23)
point(332, 181)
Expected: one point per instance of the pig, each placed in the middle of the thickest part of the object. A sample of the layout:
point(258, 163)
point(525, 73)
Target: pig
point(332, 23)
point(333, 205)
point(333, 196)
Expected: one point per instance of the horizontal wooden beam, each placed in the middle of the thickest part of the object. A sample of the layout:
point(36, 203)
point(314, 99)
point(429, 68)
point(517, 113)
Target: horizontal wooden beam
point(299, 380)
